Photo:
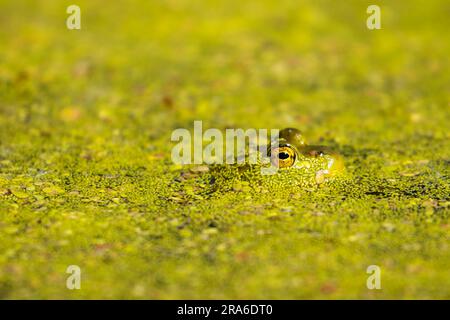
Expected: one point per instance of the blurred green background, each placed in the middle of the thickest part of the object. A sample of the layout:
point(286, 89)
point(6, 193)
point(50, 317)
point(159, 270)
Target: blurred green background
point(85, 171)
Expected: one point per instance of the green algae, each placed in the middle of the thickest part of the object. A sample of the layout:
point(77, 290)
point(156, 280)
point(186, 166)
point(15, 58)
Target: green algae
point(85, 170)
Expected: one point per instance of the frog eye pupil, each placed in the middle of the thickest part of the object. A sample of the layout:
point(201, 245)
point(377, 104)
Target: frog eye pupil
point(283, 155)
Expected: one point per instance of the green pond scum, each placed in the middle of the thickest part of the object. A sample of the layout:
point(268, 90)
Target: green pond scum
point(86, 177)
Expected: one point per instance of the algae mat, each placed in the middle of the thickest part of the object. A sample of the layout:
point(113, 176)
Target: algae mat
point(86, 177)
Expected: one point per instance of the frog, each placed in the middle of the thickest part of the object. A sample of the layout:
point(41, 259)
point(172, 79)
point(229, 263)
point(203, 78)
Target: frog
point(298, 164)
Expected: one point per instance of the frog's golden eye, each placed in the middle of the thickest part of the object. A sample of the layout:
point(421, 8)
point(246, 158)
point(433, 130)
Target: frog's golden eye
point(283, 157)
point(316, 153)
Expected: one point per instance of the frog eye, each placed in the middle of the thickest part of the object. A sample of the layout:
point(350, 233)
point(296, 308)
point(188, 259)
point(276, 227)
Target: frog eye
point(283, 157)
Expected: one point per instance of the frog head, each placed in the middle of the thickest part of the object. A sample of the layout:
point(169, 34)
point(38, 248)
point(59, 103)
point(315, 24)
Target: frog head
point(294, 157)
point(298, 165)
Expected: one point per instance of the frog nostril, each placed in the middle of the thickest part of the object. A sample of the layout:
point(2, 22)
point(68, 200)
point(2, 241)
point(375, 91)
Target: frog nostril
point(316, 153)
point(283, 155)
